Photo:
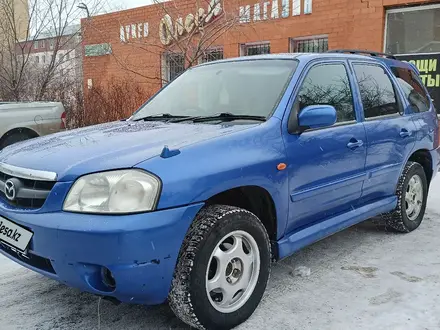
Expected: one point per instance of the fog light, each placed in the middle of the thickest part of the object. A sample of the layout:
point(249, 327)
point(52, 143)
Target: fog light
point(107, 278)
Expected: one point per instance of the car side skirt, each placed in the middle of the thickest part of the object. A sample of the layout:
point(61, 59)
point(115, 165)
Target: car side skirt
point(301, 238)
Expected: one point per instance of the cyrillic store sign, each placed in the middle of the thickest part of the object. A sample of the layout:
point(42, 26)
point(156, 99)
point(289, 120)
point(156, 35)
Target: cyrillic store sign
point(428, 65)
point(133, 31)
point(273, 10)
point(169, 31)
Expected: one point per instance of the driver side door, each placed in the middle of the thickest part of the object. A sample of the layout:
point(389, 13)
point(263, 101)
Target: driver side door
point(326, 165)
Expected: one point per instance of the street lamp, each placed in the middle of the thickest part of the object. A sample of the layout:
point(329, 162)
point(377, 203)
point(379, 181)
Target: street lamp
point(83, 6)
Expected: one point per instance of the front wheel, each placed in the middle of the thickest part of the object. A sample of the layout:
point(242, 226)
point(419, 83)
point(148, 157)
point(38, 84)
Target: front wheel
point(223, 269)
point(412, 194)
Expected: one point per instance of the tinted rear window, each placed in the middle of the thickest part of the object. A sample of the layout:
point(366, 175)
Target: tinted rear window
point(377, 91)
point(412, 88)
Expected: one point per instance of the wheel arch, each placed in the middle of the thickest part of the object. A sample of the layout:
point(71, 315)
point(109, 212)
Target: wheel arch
point(424, 158)
point(254, 199)
point(25, 130)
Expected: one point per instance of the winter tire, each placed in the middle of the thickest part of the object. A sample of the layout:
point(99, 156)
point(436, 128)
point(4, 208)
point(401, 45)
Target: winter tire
point(222, 270)
point(412, 193)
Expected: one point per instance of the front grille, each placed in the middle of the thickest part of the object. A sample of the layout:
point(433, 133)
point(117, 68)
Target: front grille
point(29, 258)
point(32, 194)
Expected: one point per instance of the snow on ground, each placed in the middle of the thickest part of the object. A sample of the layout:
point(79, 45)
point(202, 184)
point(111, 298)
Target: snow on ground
point(361, 278)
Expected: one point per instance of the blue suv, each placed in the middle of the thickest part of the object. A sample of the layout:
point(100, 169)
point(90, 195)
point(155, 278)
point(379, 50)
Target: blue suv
point(233, 165)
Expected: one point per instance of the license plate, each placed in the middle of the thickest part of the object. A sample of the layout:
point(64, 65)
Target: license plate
point(14, 234)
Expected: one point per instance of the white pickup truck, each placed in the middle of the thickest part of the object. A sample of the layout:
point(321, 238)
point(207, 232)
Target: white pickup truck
point(22, 121)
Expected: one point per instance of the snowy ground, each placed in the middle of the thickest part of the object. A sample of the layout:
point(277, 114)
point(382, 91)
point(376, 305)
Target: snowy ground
point(362, 278)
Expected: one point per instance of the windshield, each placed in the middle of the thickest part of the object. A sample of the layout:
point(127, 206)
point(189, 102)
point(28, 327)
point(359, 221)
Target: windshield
point(240, 88)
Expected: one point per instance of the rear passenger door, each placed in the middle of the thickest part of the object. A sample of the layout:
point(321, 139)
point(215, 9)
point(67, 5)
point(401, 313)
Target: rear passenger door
point(390, 132)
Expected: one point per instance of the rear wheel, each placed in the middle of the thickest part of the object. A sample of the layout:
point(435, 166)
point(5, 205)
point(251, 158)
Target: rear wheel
point(223, 269)
point(412, 193)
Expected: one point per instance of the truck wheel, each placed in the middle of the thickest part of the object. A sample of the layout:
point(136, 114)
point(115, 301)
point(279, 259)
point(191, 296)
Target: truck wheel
point(222, 270)
point(14, 138)
point(412, 193)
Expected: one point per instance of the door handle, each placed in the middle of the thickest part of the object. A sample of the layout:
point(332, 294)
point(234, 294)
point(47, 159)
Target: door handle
point(354, 143)
point(405, 133)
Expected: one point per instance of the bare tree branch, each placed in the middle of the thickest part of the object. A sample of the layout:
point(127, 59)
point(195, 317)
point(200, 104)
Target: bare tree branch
point(39, 22)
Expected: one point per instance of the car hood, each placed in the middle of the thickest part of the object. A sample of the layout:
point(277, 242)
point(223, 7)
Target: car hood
point(107, 146)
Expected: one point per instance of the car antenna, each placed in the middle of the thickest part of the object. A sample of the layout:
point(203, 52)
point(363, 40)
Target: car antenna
point(167, 153)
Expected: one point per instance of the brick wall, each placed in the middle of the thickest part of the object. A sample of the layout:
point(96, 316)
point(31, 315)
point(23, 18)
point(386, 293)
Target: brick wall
point(348, 23)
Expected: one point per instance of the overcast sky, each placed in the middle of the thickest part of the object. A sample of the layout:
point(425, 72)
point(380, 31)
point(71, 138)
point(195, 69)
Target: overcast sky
point(100, 7)
point(128, 4)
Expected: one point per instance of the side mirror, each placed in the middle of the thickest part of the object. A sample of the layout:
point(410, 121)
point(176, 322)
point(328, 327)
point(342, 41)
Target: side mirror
point(317, 116)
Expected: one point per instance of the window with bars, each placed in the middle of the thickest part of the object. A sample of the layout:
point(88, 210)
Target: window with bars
point(255, 49)
point(212, 55)
point(309, 45)
point(173, 66)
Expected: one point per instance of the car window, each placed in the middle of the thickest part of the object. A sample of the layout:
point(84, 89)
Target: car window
point(376, 89)
point(241, 87)
point(412, 88)
point(328, 85)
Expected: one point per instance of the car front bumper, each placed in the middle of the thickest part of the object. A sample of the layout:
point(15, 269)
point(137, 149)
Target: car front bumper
point(140, 250)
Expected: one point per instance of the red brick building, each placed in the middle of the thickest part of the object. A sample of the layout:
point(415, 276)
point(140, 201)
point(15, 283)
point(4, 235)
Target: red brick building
point(128, 43)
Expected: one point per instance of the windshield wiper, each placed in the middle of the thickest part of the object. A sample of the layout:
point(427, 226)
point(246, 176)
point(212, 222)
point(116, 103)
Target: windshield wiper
point(163, 116)
point(227, 116)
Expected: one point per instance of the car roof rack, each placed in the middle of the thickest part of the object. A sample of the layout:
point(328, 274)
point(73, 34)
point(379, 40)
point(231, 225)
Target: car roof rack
point(363, 52)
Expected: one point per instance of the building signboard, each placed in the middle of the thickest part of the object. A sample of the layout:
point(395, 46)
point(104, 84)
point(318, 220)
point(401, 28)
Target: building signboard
point(97, 50)
point(429, 72)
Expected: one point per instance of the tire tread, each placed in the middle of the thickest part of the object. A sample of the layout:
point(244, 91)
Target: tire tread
point(179, 297)
point(394, 220)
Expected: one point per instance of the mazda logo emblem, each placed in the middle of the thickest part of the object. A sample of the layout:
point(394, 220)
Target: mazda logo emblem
point(10, 190)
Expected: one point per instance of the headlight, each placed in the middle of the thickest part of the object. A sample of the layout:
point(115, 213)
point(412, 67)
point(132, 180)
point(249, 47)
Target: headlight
point(122, 191)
